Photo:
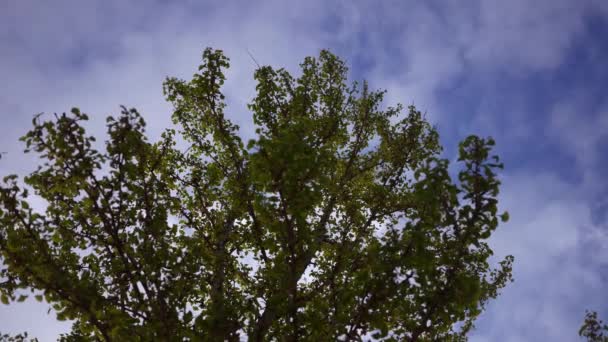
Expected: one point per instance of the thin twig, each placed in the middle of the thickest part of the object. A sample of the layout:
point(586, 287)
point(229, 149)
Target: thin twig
point(253, 58)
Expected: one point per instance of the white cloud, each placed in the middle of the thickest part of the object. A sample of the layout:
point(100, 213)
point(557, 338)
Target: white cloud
point(558, 251)
point(531, 36)
point(580, 129)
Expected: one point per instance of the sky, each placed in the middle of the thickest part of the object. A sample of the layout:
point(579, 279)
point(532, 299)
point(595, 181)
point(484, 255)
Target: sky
point(532, 74)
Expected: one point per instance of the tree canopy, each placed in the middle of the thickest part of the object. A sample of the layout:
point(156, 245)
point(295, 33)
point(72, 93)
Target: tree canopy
point(337, 220)
point(594, 329)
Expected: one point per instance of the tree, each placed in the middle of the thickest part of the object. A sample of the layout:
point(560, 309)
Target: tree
point(339, 220)
point(17, 338)
point(593, 328)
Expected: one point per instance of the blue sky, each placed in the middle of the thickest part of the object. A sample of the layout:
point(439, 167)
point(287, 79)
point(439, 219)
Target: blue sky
point(532, 74)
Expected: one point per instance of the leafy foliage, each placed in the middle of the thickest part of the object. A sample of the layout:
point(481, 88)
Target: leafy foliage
point(17, 338)
point(593, 329)
point(338, 220)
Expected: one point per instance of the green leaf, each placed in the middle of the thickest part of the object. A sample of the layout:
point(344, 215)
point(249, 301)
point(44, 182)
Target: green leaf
point(504, 217)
